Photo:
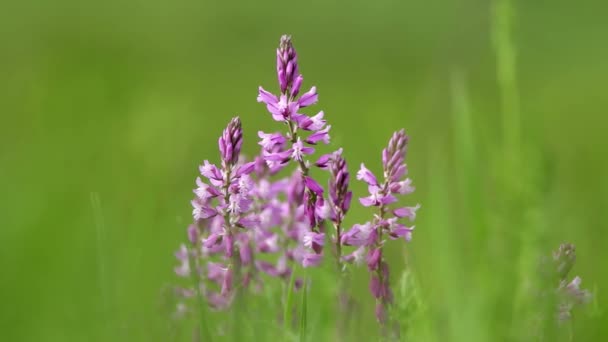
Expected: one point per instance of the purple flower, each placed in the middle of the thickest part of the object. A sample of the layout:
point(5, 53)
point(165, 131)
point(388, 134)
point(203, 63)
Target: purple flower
point(296, 86)
point(202, 210)
point(183, 270)
point(193, 234)
point(227, 283)
point(305, 196)
point(287, 64)
point(231, 141)
point(307, 123)
point(409, 212)
point(313, 186)
point(245, 251)
point(377, 197)
point(269, 141)
point(313, 240)
point(242, 171)
point(308, 98)
point(403, 188)
point(204, 191)
point(367, 176)
point(281, 108)
point(212, 240)
point(359, 235)
point(216, 272)
point(311, 259)
point(570, 293)
point(373, 258)
point(324, 161)
point(381, 312)
point(321, 135)
point(375, 287)
point(212, 173)
point(401, 230)
point(370, 236)
point(279, 157)
point(357, 256)
point(299, 150)
point(249, 222)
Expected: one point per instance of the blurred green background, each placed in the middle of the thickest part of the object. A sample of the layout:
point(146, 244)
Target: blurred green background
point(108, 107)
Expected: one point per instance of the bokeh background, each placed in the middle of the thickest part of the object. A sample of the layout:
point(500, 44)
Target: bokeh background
point(108, 107)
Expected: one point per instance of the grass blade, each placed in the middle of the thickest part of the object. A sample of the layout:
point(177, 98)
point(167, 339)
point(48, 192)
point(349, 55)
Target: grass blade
point(288, 301)
point(304, 313)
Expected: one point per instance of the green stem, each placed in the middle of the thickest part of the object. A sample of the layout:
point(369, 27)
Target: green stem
point(204, 332)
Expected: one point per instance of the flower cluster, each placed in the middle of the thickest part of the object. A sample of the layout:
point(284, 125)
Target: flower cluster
point(569, 292)
point(249, 221)
point(369, 237)
point(279, 149)
point(223, 216)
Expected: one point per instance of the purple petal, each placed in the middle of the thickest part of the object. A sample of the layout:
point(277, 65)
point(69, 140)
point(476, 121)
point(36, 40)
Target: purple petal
point(245, 169)
point(217, 301)
point(401, 231)
point(282, 76)
point(373, 259)
point(299, 150)
point(368, 201)
point(367, 176)
point(228, 245)
point(405, 187)
point(323, 161)
point(375, 287)
point(322, 135)
point(212, 240)
point(193, 233)
point(308, 150)
point(347, 199)
point(202, 210)
point(266, 97)
point(380, 312)
point(204, 191)
point(183, 270)
point(227, 283)
point(216, 272)
point(308, 98)
point(311, 259)
point(358, 235)
point(295, 88)
point(245, 253)
point(317, 122)
point(182, 253)
point(302, 120)
point(313, 186)
point(311, 238)
point(210, 171)
point(269, 141)
point(355, 257)
point(281, 157)
point(409, 212)
point(248, 222)
point(400, 172)
point(388, 199)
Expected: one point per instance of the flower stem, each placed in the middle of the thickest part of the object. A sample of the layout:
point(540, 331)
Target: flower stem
point(204, 332)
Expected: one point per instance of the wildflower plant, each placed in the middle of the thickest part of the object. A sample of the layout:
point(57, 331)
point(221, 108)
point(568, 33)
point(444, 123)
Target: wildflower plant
point(370, 236)
point(259, 216)
point(569, 293)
